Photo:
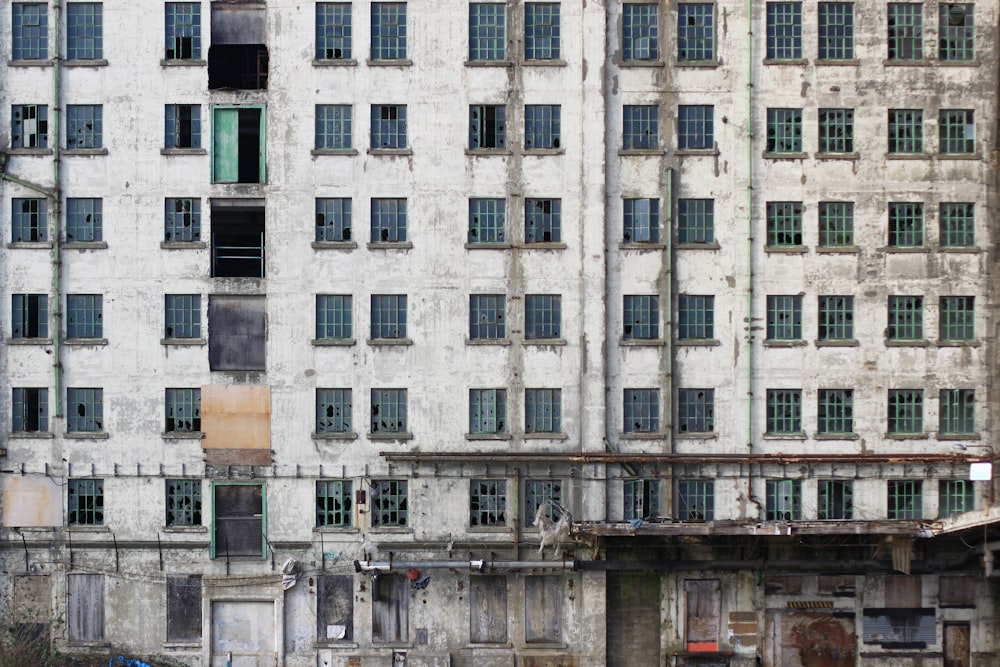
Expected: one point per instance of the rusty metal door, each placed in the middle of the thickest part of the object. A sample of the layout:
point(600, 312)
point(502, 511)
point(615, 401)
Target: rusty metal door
point(245, 630)
point(633, 619)
point(956, 645)
point(810, 639)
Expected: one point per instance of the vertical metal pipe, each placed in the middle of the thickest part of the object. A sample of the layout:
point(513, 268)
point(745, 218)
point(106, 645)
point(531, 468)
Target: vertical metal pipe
point(750, 276)
point(56, 215)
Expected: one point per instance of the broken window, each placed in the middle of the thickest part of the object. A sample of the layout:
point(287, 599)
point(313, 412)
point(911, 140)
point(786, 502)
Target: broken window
point(696, 500)
point(641, 221)
point(640, 31)
point(641, 408)
point(239, 521)
point(85, 502)
point(487, 411)
point(695, 32)
point(784, 30)
point(238, 56)
point(487, 318)
point(333, 31)
point(388, 316)
point(538, 492)
point(836, 499)
point(487, 126)
point(641, 499)
point(85, 607)
point(906, 406)
point(696, 317)
point(183, 502)
point(333, 412)
point(695, 127)
point(333, 219)
point(542, 126)
point(488, 609)
point(84, 410)
point(237, 333)
point(84, 222)
point(388, 412)
point(238, 240)
point(388, 126)
point(84, 316)
point(334, 608)
point(542, 316)
point(182, 220)
point(703, 602)
point(906, 128)
point(487, 502)
point(84, 126)
point(956, 496)
point(389, 503)
point(29, 126)
point(956, 32)
point(784, 131)
point(641, 317)
point(238, 145)
point(696, 221)
point(543, 608)
point(836, 130)
point(29, 220)
point(29, 316)
point(182, 127)
point(784, 500)
point(183, 30)
point(30, 410)
point(543, 411)
point(956, 131)
point(784, 407)
point(334, 503)
point(388, 221)
point(695, 410)
point(542, 220)
point(906, 501)
point(906, 31)
point(184, 608)
point(390, 608)
point(183, 410)
point(182, 316)
point(912, 628)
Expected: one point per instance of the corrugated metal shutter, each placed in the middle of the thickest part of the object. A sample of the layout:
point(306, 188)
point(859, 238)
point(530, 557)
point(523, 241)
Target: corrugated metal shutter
point(907, 627)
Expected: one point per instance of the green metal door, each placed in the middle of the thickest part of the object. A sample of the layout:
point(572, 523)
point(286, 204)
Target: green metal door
point(225, 145)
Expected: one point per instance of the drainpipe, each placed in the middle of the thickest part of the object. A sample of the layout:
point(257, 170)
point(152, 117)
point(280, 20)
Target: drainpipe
point(750, 276)
point(668, 337)
point(517, 513)
point(56, 219)
point(481, 565)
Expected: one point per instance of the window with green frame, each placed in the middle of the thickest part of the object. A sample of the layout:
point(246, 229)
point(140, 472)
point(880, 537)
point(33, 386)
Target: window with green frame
point(906, 31)
point(333, 31)
point(836, 30)
point(696, 317)
point(956, 32)
point(955, 496)
point(783, 500)
point(334, 411)
point(239, 519)
point(835, 500)
point(695, 500)
point(957, 224)
point(784, 317)
point(784, 411)
point(836, 317)
point(836, 130)
point(784, 131)
point(390, 503)
point(334, 503)
point(487, 221)
point(956, 131)
point(784, 30)
point(641, 499)
point(906, 499)
point(906, 412)
point(487, 411)
point(487, 502)
point(906, 131)
point(640, 31)
point(542, 32)
point(784, 223)
point(836, 412)
point(957, 412)
point(641, 317)
point(543, 411)
point(487, 32)
point(957, 318)
point(836, 224)
point(906, 318)
point(183, 502)
point(695, 32)
point(183, 410)
point(906, 224)
point(695, 221)
point(334, 319)
point(85, 502)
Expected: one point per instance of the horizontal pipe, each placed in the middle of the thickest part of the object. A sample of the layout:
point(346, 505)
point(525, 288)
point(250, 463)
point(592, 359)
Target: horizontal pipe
point(616, 457)
point(480, 565)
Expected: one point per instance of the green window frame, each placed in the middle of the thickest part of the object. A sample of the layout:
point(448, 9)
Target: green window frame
point(334, 31)
point(784, 223)
point(955, 496)
point(836, 31)
point(487, 221)
point(388, 31)
point(29, 219)
point(695, 32)
point(836, 224)
point(84, 316)
point(29, 316)
point(641, 127)
point(784, 131)
point(906, 412)
point(906, 224)
point(906, 131)
point(695, 500)
point(85, 502)
point(182, 316)
point(487, 502)
point(182, 220)
point(30, 410)
point(836, 317)
point(334, 411)
point(84, 222)
point(487, 32)
point(334, 317)
point(388, 127)
point(695, 411)
point(641, 317)
point(641, 222)
point(487, 411)
point(182, 126)
point(334, 219)
point(784, 317)
point(957, 318)
point(542, 31)
point(542, 316)
point(641, 411)
point(29, 126)
point(957, 412)
point(695, 127)
point(542, 220)
point(183, 502)
point(836, 130)
point(388, 220)
point(783, 500)
point(390, 503)
point(388, 316)
point(906, 31)
point(84, 126)
point(84, 31)
point(539, 492)
point(784, 412)
point(957, 224)
point(543, 411)
point(835, 500)
point(640, 31)
point(487, 127)
point(695, 317)
point(183, 31)
point(906, 499)
point(487, 316)
point(906, 318)
point(542, 127)
point(388, 412)
point(30, 30)
point(641, 499)
point(182, 408)
point(835, 415)
point(696, 221)
point(334, 127)
point(334, 503)
point(956, 131)
point(956, 32)
point(784, 30)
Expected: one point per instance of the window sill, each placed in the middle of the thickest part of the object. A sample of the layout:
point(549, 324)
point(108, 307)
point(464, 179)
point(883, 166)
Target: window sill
point(785, 156)
point(335, 436)
point(786, 61)
point(40, 245)
point(544, 62)
point(850, 62)
point(958, 436)
point(86, 342)
point(486, 152)
point(798, 342)
point(488, 436)
point(544, 342)
point(642, 245)
point(29, 341)
point(541, 245)
point(336, 530)
point(29, 151)
point(697, 152)
point(906, 436)
point(906, 343)
point(837, 250)
point(88, 529)
point(389, 245)
point(699, 64)
point(488, 246)
point(956, 63)
point(697, 342)
point(334, 342)
point(177, 62)
point(785, 436)
point(907, 156)
point(30, 435)
point(696, 435)
point(835, 436)
point(402, 62)
point(390, 152)
point(85, 152)
point(183, 245)
point(334, 245)
point(905, 63)
point(185, 529)
point(642, 436)
point(787, 249)
point(393, 530)
point(837, 156)
point(389, 342)
point(183, 342)
point(182, 646)
point(961, 250)
point(542, 152)
point(183, 151)
point(182, 435)
point(835, 343)
point(85, 245)
point(31, 63)
point(538, 435)
point(958, 156)
point(710, 245)
point(648, 152)
point(334, 62)
point(390, 436)
point(906, 250)
point(86, 435)
point(957, 343)
point(334, 151)
point(488, 63)
point(641, 342)
point(488, 341)
point(641, 63)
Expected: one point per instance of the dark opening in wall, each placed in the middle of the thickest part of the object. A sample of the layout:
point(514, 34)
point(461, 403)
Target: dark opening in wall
point(237, 241)
point(240, 66)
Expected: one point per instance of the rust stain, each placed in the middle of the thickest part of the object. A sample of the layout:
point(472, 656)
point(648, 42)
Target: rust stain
point(821, 640)
point(236, 417)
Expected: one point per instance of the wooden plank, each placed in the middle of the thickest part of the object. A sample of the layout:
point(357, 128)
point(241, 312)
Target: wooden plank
point(957, 590)
point(903, 591)
point(703, 605)
point(236, 417)
point(957, 645)
point(633, 619)
point(543, 604)
point(31, 501)
point(85, 607)
point(488, 609)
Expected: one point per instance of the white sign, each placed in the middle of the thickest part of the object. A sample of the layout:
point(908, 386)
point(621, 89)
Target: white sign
point(980, 472)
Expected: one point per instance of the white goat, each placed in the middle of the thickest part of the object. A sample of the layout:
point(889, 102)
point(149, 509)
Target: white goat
point(551, 532)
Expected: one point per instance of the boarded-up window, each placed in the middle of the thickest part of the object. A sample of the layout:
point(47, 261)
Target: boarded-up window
point(837, 585)
point(31, 612)
point(704, 602)
point(239, 520)
point(488, 609)
point(184, 608)
point(543, 603)
point(783, 585)
point(633, 618)
point(390, 608)
point(334, 608)
point(85, 607)
point(236, 333)
point(956, 645)
point(956, 591)
point(903, 591)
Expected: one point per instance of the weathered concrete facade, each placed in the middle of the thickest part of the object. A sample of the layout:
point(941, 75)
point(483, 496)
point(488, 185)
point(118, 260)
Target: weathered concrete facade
point(760, 403)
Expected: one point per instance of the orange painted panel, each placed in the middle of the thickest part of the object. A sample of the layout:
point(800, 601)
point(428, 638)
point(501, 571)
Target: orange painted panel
point(703, 647)
point(236, 417)
point(31, 501)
